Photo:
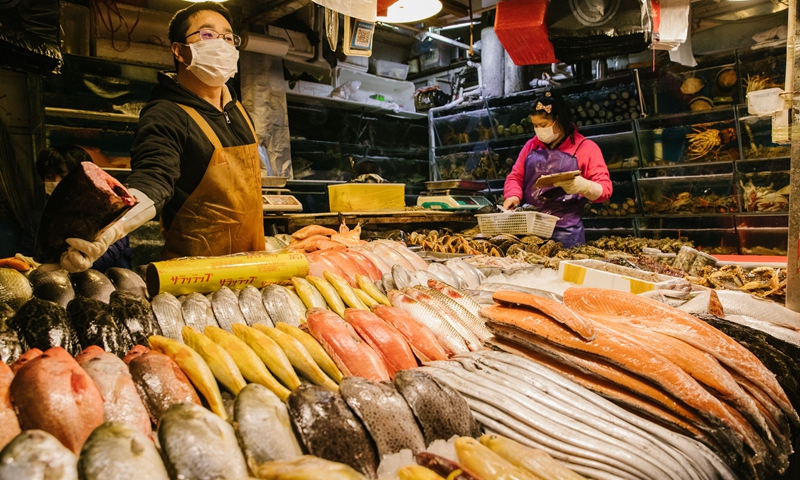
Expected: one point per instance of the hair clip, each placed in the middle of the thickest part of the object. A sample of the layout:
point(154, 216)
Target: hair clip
point(548, 108)
point(547, 94)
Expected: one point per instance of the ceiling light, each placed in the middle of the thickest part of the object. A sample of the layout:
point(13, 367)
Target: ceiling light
point(458, 25)
point(405, 11)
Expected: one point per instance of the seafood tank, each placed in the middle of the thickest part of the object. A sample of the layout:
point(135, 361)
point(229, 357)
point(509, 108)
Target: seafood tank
point(757, 137)
point(698, 90)
point(764, 185)
point(623, 201)
point(763, 234)
point(714, 235)
point(617, 142)
point(707, 189)
point(762, 67)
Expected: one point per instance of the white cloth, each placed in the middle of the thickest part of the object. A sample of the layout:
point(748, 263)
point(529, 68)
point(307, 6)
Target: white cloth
point(673, 28)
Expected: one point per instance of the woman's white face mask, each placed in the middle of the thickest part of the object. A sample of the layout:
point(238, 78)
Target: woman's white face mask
point(547, 134)
point(213, 61)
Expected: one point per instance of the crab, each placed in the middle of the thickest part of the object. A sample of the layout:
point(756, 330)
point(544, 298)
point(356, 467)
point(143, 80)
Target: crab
point(702, 142)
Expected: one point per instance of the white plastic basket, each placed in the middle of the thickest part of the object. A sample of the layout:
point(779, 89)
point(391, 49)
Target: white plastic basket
point(518, 223)
point(765, 102)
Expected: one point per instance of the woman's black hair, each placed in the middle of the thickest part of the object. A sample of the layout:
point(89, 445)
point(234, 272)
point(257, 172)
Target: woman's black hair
point(179, 25)
point(552, 106)
point(59, 161)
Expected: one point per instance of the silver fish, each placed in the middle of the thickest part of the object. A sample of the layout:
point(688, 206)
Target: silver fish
point(391, 256)
point(252, 307)
point(196, 443)
point(197, 311)
point(403, 278)
point(115, 451)
point(449, 277)
point(423, 276)
point(458, 324)
point(274, 244)
point(37, 455)
point(741, 303)
point(257, 410)
point(169, 316)
point(388, 282)
point(226, 309)
point(417, 263)
point(127, 280)
point(494, 287)
point(385, 413)
point(469, 319)
point(459, 296)
point(279, 305)
point(470, 275)
point(297, 303)
point(422, 313)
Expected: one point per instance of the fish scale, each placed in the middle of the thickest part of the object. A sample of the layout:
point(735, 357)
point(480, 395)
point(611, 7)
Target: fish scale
point(472, 340)
point(427, 316)
point(167, 310)
point(197, 311)
point(470, 320)
point(279, 306)
point(226, 308)
point(252, 307)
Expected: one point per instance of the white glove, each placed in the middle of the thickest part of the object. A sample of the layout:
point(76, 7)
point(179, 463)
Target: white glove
point(81, 253)
point(587, 188)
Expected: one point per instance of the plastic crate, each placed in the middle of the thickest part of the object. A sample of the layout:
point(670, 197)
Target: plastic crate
point(518, 223)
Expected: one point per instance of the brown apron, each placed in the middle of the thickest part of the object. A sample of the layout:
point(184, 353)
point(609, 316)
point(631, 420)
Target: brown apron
point(224, 214)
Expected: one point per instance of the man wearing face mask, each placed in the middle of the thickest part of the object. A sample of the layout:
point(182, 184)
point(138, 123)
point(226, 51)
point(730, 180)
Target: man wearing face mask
point(557, 148)
point(194, 159)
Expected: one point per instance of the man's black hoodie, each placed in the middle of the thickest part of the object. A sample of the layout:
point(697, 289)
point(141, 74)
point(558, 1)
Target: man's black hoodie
point(170, 153)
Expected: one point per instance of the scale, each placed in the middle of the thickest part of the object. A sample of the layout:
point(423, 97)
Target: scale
point(275, 199)
point(452, 199)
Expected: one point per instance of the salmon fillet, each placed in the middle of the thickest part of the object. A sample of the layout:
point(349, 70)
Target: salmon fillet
point(555, 310)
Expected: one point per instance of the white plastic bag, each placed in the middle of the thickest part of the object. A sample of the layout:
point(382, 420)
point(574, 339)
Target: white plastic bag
point(361, 9)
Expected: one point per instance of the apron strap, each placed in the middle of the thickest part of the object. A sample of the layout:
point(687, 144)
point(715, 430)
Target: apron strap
point(247, 119)
point(204, 126)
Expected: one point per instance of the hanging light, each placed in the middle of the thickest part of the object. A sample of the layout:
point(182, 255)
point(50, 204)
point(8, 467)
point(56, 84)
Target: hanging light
point(405, 11)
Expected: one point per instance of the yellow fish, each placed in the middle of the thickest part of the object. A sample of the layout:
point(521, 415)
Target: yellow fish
point(308, 294)
point(364, 283)
point(365, 298)
point(194, 367)
point(417, 472)
point(299, 357)
point(535, 461)
point(218, 360)
point(270, 354)
point(251, 366)
point(314, 349)
point(329, 293)
point(344, 290)
point(487, 464)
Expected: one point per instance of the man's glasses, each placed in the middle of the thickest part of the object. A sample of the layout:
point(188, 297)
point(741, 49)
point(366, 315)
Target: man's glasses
point(208, 34)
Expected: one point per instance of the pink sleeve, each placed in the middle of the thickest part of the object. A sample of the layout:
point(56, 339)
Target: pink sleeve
point(593, 167)
point(513, 185)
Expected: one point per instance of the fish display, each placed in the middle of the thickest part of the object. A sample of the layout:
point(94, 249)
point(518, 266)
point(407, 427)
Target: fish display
point(385, 414)
point(116, 450)
point(351, 354)
point(42, 324)
point(9, 424)
point(53, 393)
point(465, 327)
point(37, 455)
point(53, 285)
point(384, 339)
point(252, 307)
point(168, 313)
point(270, 353)
point(197, 311)
point(447, 335)
point(308, 467)
point(345, 291)
point(133, 312)
point(218, 360)
point(279, 306)
point(314, 349)
point(85, 201)
point(10, 345)
point(195, 368)
point(421, 339)
point(484, 462)
point(226, 308)
point(537, 462)
point(470, 276)
point(92, 284)
point(121, 401)
point(95, 325)
point(161, 383)
point(127, 280)
point(331, 296)
point(329, 430)
point(439, 409)
point(195, 443)
point(258, 410)
point(25, 358)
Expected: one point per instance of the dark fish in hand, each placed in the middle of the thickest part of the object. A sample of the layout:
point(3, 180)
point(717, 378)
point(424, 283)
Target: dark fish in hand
point(95, 325)
point(441, 411)
point(43, 324)
point(329, 430)
point(10, 347)
point(54, 285)
point(92, 284)
point(83, 204)
point(127, 280)
point(134, 313)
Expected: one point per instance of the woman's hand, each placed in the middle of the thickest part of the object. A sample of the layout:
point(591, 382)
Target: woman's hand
point(511, 202)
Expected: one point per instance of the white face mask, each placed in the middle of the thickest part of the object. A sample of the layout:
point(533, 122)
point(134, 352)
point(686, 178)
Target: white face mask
point(213, 61)
point(49, 187)
point(546, 134)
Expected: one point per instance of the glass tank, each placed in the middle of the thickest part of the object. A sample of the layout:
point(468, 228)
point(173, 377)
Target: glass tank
point(764, 185)
point(696, 90)
point(605, 105)
point(689, 138)
point(462, 128)
point(763, 234)
point(757, 137)
point(700, 190)
point(762, 67)
point(596, 228)
point(617, 142)
point(623, 201)
point(714, 235)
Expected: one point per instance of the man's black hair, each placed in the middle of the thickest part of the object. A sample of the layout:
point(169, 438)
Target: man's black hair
point(552, 106)
point(59, 161)
point(179, 25)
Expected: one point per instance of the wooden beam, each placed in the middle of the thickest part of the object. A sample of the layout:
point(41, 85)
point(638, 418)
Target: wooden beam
point(792, 83)
point(454, 8)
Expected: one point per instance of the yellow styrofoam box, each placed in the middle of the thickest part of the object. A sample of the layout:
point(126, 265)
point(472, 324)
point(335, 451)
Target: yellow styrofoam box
point(366, 197)
point(587, 273)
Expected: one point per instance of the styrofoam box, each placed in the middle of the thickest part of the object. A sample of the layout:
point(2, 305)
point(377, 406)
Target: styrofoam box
point(587, 274)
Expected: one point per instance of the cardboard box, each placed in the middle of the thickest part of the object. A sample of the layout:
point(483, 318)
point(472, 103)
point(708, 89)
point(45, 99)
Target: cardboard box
point(588, 273)
point(367, 197)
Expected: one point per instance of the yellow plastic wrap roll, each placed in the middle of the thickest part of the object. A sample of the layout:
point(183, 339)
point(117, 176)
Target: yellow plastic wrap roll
point(208, 274)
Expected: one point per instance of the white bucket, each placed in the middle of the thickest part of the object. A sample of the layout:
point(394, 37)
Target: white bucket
point(765, 102)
